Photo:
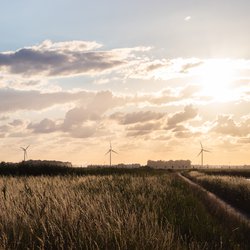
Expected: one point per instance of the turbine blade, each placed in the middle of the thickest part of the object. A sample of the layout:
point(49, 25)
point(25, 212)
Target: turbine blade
point(201, 145)
point(108, 152)
point(206, 151)
point(27, 147)
point(22, 148)
point(199, 153)
point(114, 151)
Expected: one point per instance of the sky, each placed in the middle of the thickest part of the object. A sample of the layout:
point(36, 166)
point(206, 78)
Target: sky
point(154, 78)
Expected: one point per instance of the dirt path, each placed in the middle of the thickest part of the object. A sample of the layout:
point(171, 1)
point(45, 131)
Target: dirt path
point(232, 211)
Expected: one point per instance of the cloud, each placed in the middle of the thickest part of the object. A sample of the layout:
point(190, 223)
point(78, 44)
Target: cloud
point(4, 129)
point(83, 131)
point(62, 59)
point(189, 113)
point(105, 100)
point(180, 128)
point(76, 128)
point(77, 116)
point(189, 91)
point(100, 103)
point(181, 131)
point(141, 129)
point(244, 140)
point(4, 118)
point(13, 100)
point(167, 96)
point(92, 111)
point(186, 67)
point(82, 120)
point(29, 62)
point(187, 18)
point(226, 125)
point(67, 46)
point(28, 65)
point(44, 126)
point(137, 133)
point(16, 127)
point(134, 117)
point(150, 126)
point(184, 134)
point(162, 69)
point(16, 123)
point(86, 121)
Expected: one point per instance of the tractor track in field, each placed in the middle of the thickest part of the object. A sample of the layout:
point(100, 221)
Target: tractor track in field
point(228, 208)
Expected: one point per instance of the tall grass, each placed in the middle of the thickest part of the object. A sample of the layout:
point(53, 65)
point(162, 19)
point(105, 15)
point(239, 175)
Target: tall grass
point(107, 212)
point(242, 172)
point(235, 190)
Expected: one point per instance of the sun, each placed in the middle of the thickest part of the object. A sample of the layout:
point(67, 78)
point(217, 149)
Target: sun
point(216, 77)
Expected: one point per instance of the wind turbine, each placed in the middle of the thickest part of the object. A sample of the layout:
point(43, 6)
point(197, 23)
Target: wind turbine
point(201, 153)
point(24, 152)
point(110, 151)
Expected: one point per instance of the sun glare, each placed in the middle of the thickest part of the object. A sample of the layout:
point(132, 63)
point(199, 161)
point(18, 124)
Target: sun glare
point(216, 77)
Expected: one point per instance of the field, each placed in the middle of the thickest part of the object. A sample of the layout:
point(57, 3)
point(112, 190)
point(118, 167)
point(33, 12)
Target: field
point(231, 188)
point(240, 172)
point(141, 210)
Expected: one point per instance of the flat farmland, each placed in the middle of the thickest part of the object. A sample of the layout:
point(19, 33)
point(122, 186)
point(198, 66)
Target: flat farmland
point(229, 185)
point(126, 211)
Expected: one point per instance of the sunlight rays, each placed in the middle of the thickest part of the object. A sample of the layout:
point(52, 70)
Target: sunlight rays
point(216, 78)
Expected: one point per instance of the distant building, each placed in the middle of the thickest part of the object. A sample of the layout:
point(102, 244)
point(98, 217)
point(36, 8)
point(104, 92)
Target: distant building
point(178, 164)
point(121, 165)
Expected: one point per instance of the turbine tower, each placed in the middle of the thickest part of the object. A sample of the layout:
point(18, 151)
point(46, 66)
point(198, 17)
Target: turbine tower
point(201, 153)
point(24, 152)
point(110, 151)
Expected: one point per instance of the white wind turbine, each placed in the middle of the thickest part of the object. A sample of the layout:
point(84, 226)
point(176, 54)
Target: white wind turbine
point(201, 153)
point(110, 151)
point(25, 152)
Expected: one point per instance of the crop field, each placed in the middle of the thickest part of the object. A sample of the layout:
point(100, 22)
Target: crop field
point(233, 189)
point(141, 211)
point(240, 172)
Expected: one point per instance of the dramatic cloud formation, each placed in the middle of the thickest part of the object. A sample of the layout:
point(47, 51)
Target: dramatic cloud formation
point(55, 63)
point(64, 59)
point(78, 94)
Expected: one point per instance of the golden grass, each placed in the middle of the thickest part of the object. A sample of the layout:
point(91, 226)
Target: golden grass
point(109, 212)
point(235, 190)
